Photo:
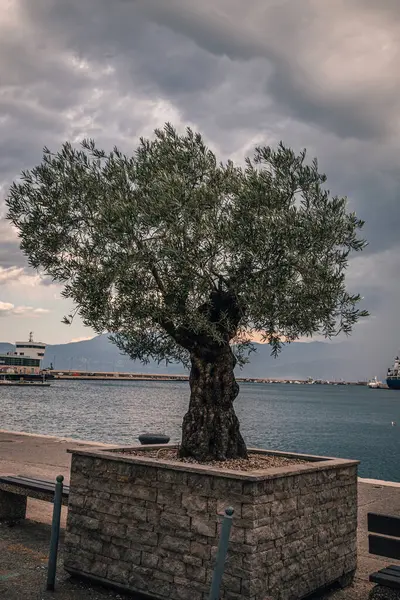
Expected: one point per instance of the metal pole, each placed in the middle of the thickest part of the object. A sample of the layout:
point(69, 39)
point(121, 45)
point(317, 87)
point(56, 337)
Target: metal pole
point(221, 554)
point(55, 533)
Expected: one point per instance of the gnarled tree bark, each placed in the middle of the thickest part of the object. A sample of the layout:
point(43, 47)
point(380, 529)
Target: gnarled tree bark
point(211, 428)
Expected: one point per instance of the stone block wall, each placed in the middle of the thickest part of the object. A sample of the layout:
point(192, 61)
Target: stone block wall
point(154, 528)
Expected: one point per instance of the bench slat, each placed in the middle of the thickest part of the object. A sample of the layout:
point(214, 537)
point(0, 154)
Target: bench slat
point(386, 580)
point(23, 479)
point(33, 484)
point(384, 524)
point(26, 482)
point(384, 546)
point(43, 485)
point(43, 482)
point(392, 570)
point(34, 479)
point(26, 478)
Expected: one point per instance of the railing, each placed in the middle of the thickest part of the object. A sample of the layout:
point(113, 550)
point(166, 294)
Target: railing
point(55, 534)
point(221, 554)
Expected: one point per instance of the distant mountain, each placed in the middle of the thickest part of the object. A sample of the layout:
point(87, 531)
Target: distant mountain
point(99, 354)
point(319, 360)
point(300, 360)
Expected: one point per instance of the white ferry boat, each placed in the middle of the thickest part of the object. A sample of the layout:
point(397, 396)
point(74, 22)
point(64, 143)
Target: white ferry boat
point(24, 364)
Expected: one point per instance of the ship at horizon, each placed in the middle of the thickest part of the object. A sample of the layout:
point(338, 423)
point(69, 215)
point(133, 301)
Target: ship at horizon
point(393, 375)
point(24, 364)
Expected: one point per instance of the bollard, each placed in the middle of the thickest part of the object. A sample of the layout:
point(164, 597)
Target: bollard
point(55, 533)
point(153, 439)
point(221, 554)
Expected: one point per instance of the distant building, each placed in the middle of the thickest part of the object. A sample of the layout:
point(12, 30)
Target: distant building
point(26, 359)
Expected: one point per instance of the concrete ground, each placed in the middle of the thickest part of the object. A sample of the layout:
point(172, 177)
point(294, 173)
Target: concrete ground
point(24, 548)
point(38, 456)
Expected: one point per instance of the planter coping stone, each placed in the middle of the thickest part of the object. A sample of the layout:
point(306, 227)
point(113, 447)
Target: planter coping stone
point(317, 462)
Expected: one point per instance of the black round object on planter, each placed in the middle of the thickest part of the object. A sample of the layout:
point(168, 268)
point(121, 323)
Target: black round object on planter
point(153, 438)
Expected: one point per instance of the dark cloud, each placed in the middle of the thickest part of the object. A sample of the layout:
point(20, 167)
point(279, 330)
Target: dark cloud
point(11, 255)
point(307, 45)
point(346, 118)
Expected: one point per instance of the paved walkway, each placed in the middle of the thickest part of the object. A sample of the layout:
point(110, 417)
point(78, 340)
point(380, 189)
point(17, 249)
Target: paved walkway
point(46, 457)
point(379, 498)
point(38, 456)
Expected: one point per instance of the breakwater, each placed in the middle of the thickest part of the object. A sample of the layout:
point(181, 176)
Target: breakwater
point(117, 376)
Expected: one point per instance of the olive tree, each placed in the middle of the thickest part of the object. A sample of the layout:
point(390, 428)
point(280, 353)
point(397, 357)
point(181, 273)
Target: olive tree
point(183, 258)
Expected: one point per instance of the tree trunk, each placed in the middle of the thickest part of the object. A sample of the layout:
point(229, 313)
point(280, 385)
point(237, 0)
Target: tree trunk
point(210, 427)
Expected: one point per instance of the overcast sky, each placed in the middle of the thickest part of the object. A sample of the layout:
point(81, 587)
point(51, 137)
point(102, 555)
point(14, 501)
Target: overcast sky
point(317, 74)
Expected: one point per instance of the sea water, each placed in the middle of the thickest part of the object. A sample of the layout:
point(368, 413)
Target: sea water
point(342, 421)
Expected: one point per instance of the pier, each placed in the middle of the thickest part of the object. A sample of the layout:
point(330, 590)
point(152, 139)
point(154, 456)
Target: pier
point(120, 376)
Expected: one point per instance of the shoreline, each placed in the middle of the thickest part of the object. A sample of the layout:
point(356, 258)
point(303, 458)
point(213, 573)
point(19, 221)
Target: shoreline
point(379, 482)
point(55, 438)
point(58, 438)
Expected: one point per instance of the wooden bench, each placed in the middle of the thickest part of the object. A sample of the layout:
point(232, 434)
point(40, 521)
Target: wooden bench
point(387, 544)
point(14, 491)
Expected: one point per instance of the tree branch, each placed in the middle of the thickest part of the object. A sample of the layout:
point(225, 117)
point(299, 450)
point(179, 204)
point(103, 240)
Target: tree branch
point(153, 269)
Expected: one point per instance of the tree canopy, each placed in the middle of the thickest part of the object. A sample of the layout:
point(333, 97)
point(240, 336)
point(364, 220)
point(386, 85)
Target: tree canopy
point(143, 243)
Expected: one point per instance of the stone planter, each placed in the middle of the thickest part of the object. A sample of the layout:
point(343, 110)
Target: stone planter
point(151, 526)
